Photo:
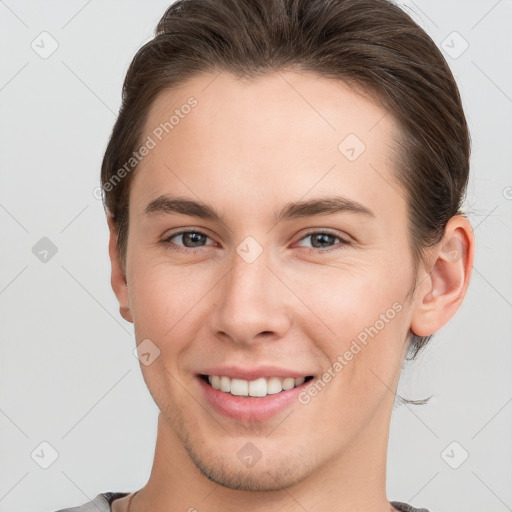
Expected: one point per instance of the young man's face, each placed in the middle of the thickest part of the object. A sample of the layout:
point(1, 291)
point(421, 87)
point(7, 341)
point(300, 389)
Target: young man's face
point(263, 293)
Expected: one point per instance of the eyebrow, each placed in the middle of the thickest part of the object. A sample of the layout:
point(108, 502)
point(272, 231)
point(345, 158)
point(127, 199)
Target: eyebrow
point(322, 206)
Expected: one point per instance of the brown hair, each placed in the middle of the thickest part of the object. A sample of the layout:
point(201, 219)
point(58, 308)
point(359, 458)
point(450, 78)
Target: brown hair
point(372, 45)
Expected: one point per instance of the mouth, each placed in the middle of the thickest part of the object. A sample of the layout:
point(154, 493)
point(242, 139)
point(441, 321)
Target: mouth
point(257, 388)
point(251, 401)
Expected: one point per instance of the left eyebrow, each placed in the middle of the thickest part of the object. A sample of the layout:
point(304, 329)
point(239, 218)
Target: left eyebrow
point(292, 210)
point(323, 206)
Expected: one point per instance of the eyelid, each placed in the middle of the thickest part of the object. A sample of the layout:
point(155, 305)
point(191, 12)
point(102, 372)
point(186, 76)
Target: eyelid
point(327, 231)
point(188, 229)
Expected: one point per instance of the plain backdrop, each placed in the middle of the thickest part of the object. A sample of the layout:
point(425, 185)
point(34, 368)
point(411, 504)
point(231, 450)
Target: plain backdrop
point(76, 418)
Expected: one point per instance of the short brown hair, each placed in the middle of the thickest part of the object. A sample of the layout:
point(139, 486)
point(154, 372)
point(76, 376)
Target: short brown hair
point(372, 45)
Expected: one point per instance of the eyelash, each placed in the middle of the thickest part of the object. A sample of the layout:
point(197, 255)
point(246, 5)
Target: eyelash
point(188, 250)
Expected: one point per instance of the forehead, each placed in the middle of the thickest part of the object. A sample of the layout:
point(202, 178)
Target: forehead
point(285, 133)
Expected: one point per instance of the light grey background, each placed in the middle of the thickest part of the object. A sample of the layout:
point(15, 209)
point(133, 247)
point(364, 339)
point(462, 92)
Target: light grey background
point(68, 374)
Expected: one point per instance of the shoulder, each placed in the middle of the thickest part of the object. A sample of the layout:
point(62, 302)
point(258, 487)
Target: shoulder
point(99, 504)
point(405, 507)
point(103, 501)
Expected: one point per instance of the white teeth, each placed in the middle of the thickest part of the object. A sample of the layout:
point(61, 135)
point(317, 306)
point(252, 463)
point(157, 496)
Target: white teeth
point(257, 388)
point(274, 386)
point(225, 384)
point(239, 387)
point(288, 383)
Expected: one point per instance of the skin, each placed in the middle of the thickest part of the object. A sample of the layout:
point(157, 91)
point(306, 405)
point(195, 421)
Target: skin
point(247, 149)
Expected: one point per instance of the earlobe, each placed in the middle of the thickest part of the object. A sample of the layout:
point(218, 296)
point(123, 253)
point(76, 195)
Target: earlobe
point(441, 292)
point(118, 277)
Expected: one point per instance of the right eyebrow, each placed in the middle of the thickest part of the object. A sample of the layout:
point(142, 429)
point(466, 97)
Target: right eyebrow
point(165, 205)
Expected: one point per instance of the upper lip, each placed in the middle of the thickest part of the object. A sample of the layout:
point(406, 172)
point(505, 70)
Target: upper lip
point(253, 373)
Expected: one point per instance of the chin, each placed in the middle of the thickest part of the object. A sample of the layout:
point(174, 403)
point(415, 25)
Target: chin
point(241, 464)
point(276, 474)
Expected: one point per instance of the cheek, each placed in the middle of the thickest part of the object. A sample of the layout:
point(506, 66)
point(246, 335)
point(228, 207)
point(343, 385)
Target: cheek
point(165, 299)
point(332, 304)
point(368, 319)
point(350, 296)
point(166, 302)
point(357, 316)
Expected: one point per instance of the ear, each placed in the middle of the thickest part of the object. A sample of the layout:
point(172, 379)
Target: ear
point(118, 278)
point(440, 294)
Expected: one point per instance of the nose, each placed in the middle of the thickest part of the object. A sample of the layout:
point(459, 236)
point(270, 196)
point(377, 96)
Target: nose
point(252, 303)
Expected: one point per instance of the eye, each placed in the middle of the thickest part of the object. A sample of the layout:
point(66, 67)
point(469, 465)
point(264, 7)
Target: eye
point(187, 240)
point(323, 240)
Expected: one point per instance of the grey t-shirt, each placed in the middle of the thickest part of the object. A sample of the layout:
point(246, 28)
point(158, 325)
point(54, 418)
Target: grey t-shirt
point(103, 501)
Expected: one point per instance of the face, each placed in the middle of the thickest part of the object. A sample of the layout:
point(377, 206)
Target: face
point(293, 270)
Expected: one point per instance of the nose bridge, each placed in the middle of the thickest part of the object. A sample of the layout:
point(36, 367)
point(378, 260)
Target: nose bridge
point(250, 301)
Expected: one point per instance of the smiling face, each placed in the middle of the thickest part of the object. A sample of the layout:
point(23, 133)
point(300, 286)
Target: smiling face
point(296, 252)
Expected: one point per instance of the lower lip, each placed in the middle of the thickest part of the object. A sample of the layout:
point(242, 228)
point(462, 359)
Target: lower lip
point(249, 408)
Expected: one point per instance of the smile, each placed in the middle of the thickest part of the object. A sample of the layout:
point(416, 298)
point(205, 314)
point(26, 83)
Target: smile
point(255, 388)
